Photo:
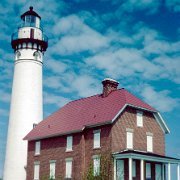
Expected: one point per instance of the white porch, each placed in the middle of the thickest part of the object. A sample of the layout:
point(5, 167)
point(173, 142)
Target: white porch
point(135, 165)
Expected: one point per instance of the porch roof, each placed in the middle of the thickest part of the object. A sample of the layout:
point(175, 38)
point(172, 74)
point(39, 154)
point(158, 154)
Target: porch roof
point(145, 156)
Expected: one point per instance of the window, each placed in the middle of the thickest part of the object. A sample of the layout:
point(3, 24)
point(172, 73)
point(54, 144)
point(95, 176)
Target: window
point(139, 118)
point(37, 55)
point(17, 55)
point(97, 139)
point(134, 169)
point(120, 169)
point(36, 170)
point(149, 142)
point(69, 143)
point(37, 147)
point(148, 171)
point(129, 138)
point(96, 165)
point(68, 167)
point(52, 169)
point(158, 171)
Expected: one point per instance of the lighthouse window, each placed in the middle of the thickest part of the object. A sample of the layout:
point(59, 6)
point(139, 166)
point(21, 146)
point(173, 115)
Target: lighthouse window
point(37, 55)
point(17, 55)
point(30, 20)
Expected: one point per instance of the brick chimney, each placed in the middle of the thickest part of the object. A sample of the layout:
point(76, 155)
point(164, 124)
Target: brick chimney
point(109, 85)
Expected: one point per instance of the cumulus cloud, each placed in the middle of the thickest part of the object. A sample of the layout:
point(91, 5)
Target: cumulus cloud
point(124, 62)
point(169, 67)
point(76, 36)
point(161, 100)
point(134, 5)
point(52, 99)
point(173, 5)
point(86, 85)
point(55, 66)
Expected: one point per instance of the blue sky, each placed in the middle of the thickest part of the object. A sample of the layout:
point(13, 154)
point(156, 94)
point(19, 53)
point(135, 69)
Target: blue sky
point(133, 41)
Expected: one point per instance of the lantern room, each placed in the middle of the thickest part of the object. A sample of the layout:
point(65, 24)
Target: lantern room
point(30, 19)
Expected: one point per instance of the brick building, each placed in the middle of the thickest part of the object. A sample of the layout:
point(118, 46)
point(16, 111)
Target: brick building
point(80, 133)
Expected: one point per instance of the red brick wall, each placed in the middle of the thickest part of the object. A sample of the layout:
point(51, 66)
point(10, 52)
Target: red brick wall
point(128, 120)
point(54, 149)
point(113, 139)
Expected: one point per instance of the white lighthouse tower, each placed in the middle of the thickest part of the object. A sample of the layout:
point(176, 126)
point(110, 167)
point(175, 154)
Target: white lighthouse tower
point(29, 44)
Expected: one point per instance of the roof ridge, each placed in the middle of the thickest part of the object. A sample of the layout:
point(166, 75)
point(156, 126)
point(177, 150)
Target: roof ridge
point(91, 96)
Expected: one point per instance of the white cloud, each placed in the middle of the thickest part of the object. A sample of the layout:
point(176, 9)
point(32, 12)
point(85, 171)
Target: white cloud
point(82, 85)
point(150, 6)
point(50, 99)
point(173, 5)
point(86, 85)
point(160, 100)
point(55, 66)
point(169, 68)
point(76, 37)
point(124, 62)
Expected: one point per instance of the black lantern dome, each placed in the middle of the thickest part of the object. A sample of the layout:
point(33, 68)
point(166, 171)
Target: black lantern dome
point(30, 13)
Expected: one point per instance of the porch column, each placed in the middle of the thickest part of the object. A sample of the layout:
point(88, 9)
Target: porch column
point(178, 172)
point(115, 168)
point(169, 171)
point(142, 169)
point(130, 168)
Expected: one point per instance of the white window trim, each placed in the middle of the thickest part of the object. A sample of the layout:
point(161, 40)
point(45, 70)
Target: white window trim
point(67, 173)
point(36, 164)
point(128, 133)
point(69, 139)
point(96, 144)
point(96, 159)
point(37, 148)
point(149, 142)
point(139, 118)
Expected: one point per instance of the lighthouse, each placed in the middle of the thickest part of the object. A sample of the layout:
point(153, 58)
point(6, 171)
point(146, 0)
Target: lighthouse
point(29, 44)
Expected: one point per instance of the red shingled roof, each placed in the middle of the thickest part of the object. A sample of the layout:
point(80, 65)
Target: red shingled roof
point(78, 114)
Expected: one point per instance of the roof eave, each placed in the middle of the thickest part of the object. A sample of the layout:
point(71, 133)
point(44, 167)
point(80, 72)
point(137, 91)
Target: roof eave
point(156, 114)
point(137, 107)
point(53, 135)
point(161, 122)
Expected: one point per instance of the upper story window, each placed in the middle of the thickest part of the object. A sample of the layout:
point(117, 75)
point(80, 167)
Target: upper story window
point(129, 138)
point(36, 170)
point(37, 147)
point(69, 168)
point(69, 143)
point(149, 142)
point(139, 116)
point(52, 169)
point(96, 165)
point(97, 137)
